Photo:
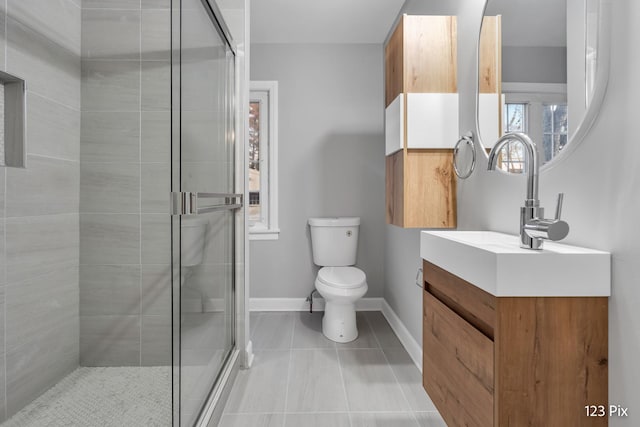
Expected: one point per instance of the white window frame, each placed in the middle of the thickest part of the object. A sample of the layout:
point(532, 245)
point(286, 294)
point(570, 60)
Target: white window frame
point(267, 227)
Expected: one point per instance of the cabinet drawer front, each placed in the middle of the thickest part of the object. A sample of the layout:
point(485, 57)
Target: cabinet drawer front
point(457, 366)
point(470, 302)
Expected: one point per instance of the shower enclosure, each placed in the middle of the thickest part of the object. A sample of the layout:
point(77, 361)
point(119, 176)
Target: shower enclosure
point(204, 191)
point(150, 280)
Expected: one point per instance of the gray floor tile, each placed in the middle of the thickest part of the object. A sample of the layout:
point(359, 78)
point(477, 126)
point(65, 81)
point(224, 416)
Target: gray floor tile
point(253, 420)
point(262, 388)
point(370, 382)
point(317, 420)
point(315, 383)
point(410, 379)
point(273, 331)
point(381, 329)
point(430, 419)
point(397, 419)
point(366, 338)
point(307, 331)
point(306, 385)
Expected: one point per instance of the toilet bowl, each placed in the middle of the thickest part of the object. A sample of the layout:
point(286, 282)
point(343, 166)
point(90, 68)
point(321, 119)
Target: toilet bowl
point(340, 287)
point(334, 245)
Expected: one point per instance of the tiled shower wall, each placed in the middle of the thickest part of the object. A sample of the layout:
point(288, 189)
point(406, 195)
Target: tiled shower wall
point(125, 300)
point(40, 42)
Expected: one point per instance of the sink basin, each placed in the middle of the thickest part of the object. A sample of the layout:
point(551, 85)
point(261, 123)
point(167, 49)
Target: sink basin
point(495, 263)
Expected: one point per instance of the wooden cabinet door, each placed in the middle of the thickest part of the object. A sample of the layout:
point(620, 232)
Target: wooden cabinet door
point(457, 367)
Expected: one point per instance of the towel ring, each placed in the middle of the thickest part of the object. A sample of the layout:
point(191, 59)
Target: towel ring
point(468, 140)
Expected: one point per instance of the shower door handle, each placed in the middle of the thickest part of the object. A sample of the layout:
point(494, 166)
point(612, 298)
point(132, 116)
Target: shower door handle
point(190, 203)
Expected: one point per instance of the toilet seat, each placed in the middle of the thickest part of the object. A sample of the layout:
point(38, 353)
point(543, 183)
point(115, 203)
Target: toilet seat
point(342, 277)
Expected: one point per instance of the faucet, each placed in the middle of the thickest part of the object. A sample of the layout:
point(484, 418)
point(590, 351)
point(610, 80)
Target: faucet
point(534, 228)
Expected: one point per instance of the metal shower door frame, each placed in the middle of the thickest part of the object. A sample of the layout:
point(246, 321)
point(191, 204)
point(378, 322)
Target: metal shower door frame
point(186, 203)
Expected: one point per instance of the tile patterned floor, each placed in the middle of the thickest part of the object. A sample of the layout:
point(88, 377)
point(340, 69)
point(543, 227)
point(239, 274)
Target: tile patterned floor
point(299, 377)
point(102, 397)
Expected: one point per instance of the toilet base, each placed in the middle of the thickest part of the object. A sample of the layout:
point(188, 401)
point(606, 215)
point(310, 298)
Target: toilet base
point(339, 322)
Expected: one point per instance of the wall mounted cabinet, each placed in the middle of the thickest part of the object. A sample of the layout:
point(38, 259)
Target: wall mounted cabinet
point(421, 117)
point(421, 122)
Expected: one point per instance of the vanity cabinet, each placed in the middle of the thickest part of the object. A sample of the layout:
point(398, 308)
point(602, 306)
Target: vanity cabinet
point(512, 361)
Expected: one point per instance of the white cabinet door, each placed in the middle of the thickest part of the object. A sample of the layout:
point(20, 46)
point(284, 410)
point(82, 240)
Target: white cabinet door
point(432, 120)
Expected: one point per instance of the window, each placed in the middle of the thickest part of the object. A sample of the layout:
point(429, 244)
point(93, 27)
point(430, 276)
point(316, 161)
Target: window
point(263, 161)
point(554, 129)
point(539, 110)
point(514, 120)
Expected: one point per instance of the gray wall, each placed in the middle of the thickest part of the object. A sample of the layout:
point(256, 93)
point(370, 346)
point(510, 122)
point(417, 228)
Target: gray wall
point(601, 202)
point(331, 147)
point(125, 299)
point(39, 204)
point(534, 64)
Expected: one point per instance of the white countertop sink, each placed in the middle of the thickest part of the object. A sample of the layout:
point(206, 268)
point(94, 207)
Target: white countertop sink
point(496, 263)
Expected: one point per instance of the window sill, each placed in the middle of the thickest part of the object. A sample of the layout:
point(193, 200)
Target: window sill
point(272, 234)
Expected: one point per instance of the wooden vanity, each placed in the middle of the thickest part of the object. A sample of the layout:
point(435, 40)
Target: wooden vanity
point(512, 361)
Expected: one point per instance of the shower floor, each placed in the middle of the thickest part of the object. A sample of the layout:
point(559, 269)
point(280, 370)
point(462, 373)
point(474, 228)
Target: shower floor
point(101, 397)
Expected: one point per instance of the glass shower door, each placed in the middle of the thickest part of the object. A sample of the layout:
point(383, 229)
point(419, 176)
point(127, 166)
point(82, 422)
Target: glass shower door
point(206, 163)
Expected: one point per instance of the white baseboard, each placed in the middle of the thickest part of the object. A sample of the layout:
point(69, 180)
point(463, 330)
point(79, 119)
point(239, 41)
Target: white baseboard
point(301, 304)
point(214, 304)
point(410, 344)
point(249, 354)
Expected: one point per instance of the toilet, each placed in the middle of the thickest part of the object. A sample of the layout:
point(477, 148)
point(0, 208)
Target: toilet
point(192, 245)
point(334, 242)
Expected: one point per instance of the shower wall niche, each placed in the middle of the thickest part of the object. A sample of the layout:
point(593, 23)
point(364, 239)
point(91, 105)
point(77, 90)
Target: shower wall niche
point(13, 98)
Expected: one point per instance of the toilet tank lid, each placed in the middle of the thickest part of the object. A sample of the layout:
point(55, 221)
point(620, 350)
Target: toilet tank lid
point(335, 221)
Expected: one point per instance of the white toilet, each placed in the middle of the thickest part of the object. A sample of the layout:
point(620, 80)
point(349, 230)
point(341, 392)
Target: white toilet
point(334, 242)
point(192, 243)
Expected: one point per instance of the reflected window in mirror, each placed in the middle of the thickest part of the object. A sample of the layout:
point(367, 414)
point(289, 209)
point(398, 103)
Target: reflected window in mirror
point(511, 158)
point(514, 119)
point(555, 129)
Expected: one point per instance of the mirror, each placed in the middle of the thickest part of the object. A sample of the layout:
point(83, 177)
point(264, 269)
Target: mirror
point(540, 72)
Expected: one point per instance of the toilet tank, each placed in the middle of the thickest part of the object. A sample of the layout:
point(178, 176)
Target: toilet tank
point(193, 238)
point(334, 241)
